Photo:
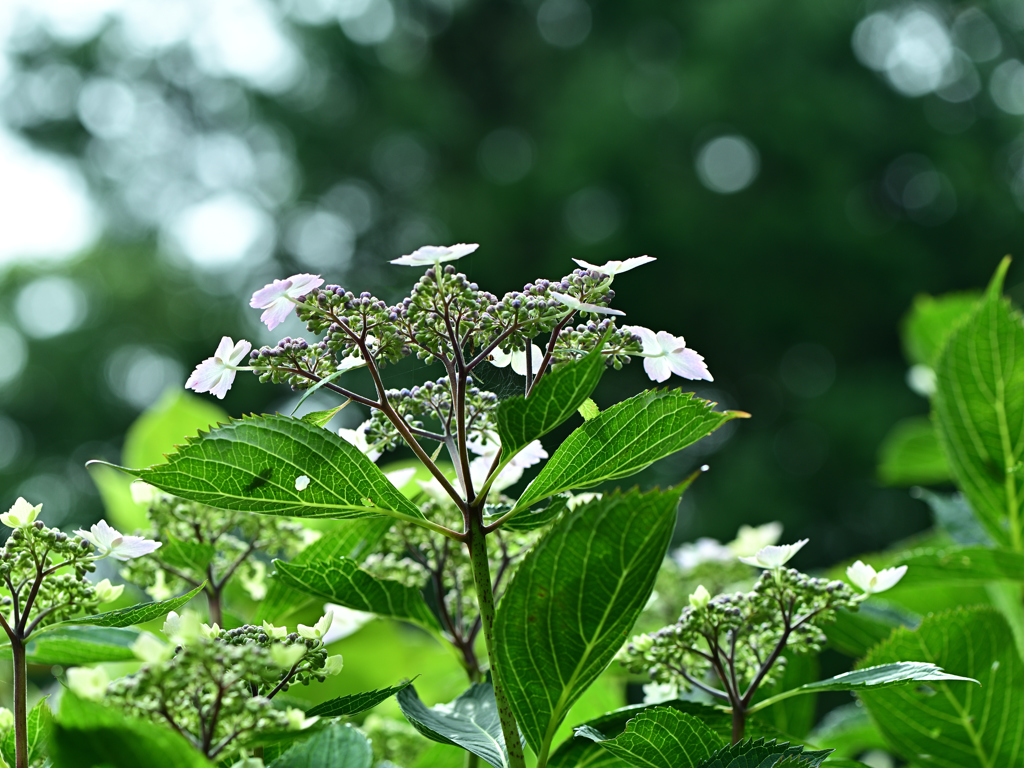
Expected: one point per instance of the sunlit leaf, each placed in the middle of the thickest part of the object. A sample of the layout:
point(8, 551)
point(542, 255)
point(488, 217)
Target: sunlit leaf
point(340, 746)
point(135, 614)
point(354, 703)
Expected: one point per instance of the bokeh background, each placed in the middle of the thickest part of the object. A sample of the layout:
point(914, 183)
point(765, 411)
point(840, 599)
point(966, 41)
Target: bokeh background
point(800, 169)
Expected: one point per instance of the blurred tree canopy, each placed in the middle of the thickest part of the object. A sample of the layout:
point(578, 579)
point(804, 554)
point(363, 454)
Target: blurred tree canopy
point(799, 169)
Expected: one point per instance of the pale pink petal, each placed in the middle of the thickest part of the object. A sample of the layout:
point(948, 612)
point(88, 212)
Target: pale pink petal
point(223, 383)
point(647, 338)
point(668, 343)
point(277, 312)
point(689, 365)
point(268, 294)
point(134, 546)
point(238, 352)
point(225, 348)
point(303, 284)
point(657, 368)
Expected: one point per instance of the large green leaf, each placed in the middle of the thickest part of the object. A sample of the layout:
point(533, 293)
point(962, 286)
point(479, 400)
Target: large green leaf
point(90, 735)
point(897, 673)
point(795, 716)
point(127, 617)
point(252, 465)
point(470, 722)
point(962, 564)
point(931, 320)
point(185, 555)
point(954, 725)
point(38, 727)
point(624, 439)
point(854, 633)
point(340, 746)
point(70, 646)
point(342, 581)
point(911, 455)
point(979, 412)
point(760, 753)
point(849, 730)
point(573, 601)
point(354, 703)
point(557, 396)
point(954, 516)
point(355, 539)
point(661, 737)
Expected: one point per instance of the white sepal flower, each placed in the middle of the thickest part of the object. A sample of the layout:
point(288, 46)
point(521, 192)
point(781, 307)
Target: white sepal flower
point(581, 306)
point(20, 514)
point(773, 557)
point(334, 665)
point(658, 693)
point(430, 255)
point(286, 656)
point(318, 630)
point(210, 633)
point(149, 649)
point(278, 297)
point(6, 721)
point(749, 539)
point(107, 592)
point(400, 477)
point(704, 550)
point(357, 437)
point(870, 581)
point(183, 629)
point(501, 359)
point(346, 622)
point(275, 633)
point(216, 374)
point(88, 682)
point(110, 541)
point(665, 354)
point(297, 720)
point(612, 268)
point(700, 598)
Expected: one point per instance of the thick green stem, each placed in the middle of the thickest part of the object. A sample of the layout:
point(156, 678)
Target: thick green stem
point(20, 704)
point(739, 723)
point(477, 544)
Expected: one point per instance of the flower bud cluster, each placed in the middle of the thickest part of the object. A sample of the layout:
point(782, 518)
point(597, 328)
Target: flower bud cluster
point(200, 541)
point(785, 607)
point(574, 343)
point(219, 684)
point(283, 363)
point(342, 317)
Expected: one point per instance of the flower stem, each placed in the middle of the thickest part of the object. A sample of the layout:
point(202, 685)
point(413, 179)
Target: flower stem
point(477, 544)
point(20, 703)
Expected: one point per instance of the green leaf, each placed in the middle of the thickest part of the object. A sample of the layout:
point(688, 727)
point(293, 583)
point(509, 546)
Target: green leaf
point(470, 722)
point(342, 581)
point(127, 617)
point(897, 673)
point(322, 418)
point(848, 730)
point(624, 439)
point(354, 703)
point(979, 411)
point(315, 387)
point(854, 633)
point(557, 396)
point(71, 646)
point(660, 738)
point(759, 753)
point(532, 519)
point(38, 726)
point(953, 725)
point(927, 326)
point(911, 455)
point(341, 746)
point(573, 601)
point(252, 464)
point(795, 716)
point(90, 735)
point(954, 515)
point(962, 564)
point(354, 539)
point(589, 409)
point(185, 555)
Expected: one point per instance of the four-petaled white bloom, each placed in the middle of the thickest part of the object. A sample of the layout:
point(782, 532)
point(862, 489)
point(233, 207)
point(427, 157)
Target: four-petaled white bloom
point(318, 630)
point(612, 268)
point(774, 556)
point(357, 437)
point(210, 633)
point(275, 633)
point(107, 592)
point(184, 629)
point(501, 359)
point(870, 581)
point(109, 541)
point(429, 255)
point(88, 682)
point(278, 298)
point(216, 374)
point(666, 354)
point(20, 514)
point(301, 482)
point(581, 306)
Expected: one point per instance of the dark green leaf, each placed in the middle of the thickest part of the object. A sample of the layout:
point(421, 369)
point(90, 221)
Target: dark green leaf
point(555, 398)
point(322, 418)
point(470, 722)
point(185, 555)
point(979, 411)
point(354, 539)
point(660, 738)
point(854, 633)
point(315, 387)
point(342, 581)
point(954, 725)
point(38, 727)
point(135, 614)
point(340, 746)
point(954, 515)
point(573, 601)
point(70, 646)
point(962, 564)
point(90, 735)
point(897, 673)
point(624, 439)
point(795, 716)
point(848, 730)
point(911, 455)
point(532, 519)
point(927, 326)
point(252, 465)
point(759, 753)
point(354, 703)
